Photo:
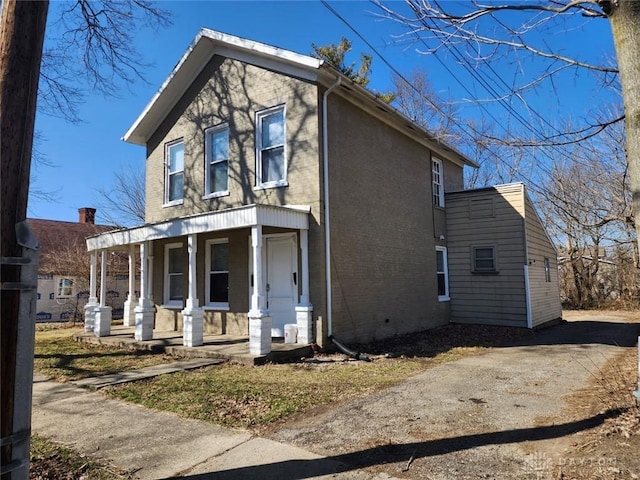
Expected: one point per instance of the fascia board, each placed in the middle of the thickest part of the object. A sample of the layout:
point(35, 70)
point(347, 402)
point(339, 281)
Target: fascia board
point(206, 44)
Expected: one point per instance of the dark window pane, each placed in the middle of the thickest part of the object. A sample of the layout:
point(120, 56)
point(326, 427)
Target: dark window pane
point(175, 186)
point(273, 165)
point(219, 287)
point(219, 180)
point(441, 285)
point(219, 257)
point(175, 287)
point(175, 260)
point(439, 261)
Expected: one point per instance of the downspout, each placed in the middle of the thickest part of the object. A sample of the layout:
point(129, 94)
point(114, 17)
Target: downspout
point(527, 282)
point(327, 226)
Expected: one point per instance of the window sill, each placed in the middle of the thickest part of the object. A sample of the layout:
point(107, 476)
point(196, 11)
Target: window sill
point(220, 307)
point(485, 272)
point(265, 186)
point(173, 203)
point(216, 195)
point(444, 299)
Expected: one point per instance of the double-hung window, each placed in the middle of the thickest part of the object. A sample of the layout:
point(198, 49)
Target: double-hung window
point(217, 161)
point(217, 279)
point(437, 184)
point(64, 287)
point(174, 173)
point(173, 274)
point(484, 259)
point(442, 274)
point(271, 160)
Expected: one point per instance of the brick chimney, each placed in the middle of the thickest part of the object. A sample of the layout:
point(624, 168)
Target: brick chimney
point(87, 215)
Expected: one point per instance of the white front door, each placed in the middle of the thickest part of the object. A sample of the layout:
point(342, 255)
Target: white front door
point(281, 280)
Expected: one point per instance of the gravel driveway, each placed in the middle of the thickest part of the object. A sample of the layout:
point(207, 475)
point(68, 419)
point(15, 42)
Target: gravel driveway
point(500, 414)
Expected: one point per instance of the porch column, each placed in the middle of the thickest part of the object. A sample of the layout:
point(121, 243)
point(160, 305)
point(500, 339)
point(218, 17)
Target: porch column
point(102, 326)
point(129, 318)
point(259, 319)
point(304, 309)
point(92, 303)
point(193, 314)
point(144, 311)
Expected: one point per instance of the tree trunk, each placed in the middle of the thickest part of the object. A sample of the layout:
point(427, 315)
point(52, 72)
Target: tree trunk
point(22, 30)
point(625, 25)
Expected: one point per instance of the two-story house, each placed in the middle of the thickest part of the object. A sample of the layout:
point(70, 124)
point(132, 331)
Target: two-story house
point(278, 192)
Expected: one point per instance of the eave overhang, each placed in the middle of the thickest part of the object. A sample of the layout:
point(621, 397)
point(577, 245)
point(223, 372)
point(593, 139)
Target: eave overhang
point(241, 217)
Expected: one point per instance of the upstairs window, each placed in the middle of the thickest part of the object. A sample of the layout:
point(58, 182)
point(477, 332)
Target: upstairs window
point(217, 281)
point(436, 179)
point(217, 158)
point(442, 273)
point(173, 274)
point(484, 259)
point(174, 180)
point(271, 168)
point(64, 288)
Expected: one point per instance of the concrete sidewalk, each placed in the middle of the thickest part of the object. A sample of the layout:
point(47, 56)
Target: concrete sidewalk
point(159, 445)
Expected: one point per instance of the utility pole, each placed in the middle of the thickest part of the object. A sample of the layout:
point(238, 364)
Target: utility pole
point(22, 28)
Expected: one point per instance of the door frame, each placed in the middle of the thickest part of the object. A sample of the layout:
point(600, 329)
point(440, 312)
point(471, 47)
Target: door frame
point(296, 255)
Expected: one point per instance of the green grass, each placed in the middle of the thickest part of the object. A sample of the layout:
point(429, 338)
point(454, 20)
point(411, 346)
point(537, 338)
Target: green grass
point(59, 356)
point(240, 396)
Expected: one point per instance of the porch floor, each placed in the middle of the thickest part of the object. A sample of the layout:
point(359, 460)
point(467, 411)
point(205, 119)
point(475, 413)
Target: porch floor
point(228, 347)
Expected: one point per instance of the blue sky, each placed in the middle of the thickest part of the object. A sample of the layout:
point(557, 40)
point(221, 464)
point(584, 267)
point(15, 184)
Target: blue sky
point(84, 156)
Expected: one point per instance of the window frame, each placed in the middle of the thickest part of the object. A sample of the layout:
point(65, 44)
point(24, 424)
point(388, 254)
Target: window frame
point(167, 302)
point(167, 173)
point(437, 182)
point(547, 270)
point(209, 133)
point(260, 115)
point(224, 306)
point(444, 272)
point(59, 287)
point(474, 259)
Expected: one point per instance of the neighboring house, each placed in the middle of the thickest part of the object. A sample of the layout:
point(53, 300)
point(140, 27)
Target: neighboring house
point(278, 192)
point(63, 275)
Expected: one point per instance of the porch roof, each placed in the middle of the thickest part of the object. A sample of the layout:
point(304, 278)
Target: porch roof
point(295, 217)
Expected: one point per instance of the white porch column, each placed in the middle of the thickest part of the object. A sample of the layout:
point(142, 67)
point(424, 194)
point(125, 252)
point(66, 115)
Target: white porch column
point(304, 309)
point(192, 315)
point(92, 303)
point(259, 319)
point(144, 311)
point(129, 317)
point(102, 326)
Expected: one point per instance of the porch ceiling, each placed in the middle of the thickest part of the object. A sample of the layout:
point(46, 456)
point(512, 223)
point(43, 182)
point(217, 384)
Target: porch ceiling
point(241, 217)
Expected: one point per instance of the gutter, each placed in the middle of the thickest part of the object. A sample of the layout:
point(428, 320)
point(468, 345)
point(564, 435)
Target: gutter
point(327, 223)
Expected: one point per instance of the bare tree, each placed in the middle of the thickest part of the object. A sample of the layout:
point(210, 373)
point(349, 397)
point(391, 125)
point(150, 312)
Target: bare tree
point(123, 204)
point(587, 207)
point(483, 34)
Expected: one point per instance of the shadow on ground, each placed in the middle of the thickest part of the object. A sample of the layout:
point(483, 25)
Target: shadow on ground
point(390, 453)
point(442, 339)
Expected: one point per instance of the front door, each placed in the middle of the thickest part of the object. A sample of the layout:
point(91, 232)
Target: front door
point(281, 280)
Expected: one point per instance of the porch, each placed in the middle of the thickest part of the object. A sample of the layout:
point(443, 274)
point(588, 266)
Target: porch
point(227, 347)
point(249, 263)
